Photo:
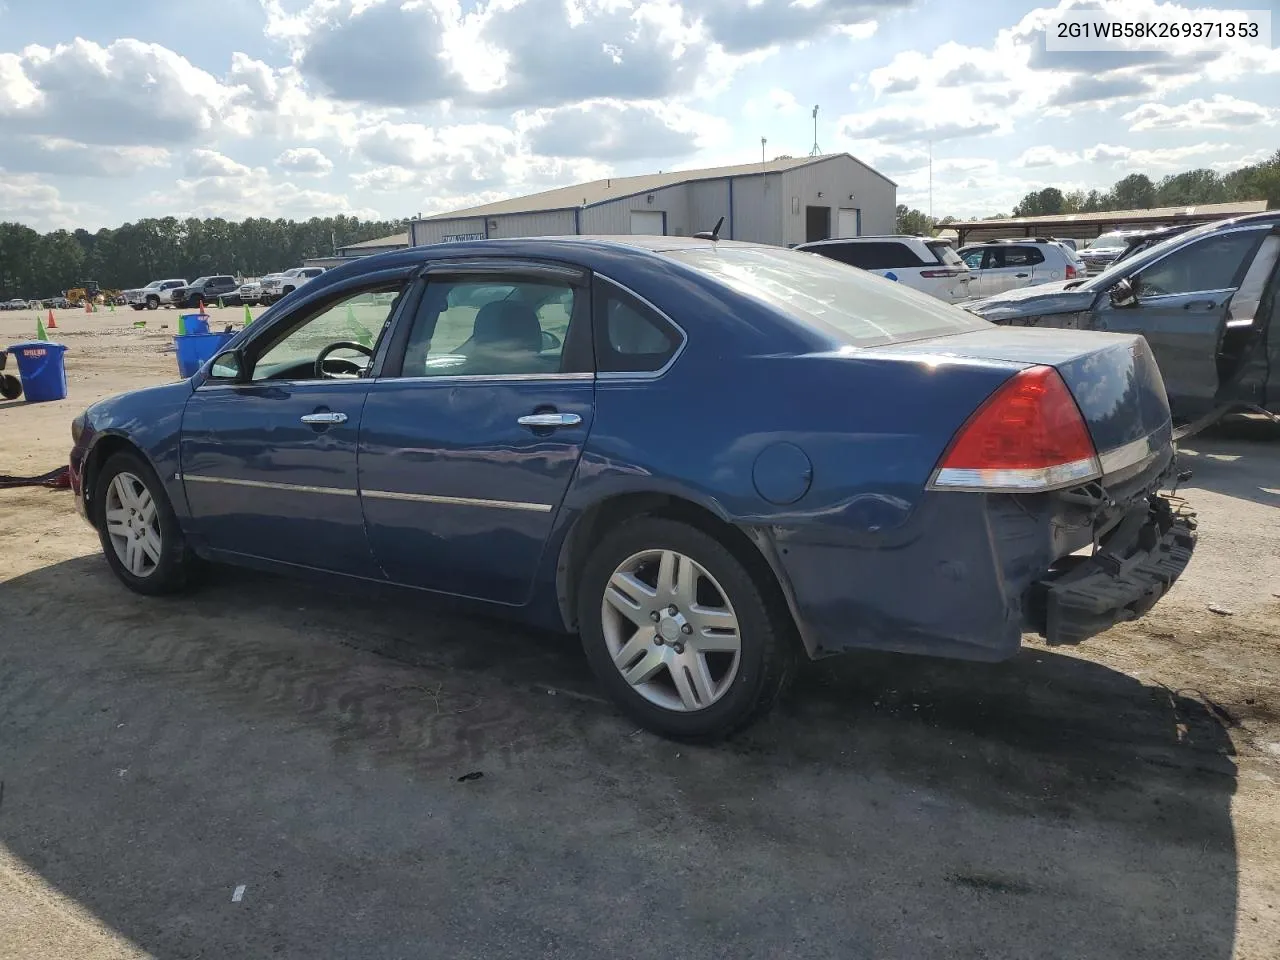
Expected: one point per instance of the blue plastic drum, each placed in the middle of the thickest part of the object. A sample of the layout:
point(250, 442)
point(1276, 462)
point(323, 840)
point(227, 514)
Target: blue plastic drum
point(43, 370)
point(195, 349)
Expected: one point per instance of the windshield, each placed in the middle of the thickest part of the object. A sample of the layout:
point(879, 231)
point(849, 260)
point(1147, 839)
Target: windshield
point(1108, 241)
point(844, 302)
point(1137, 261)
point(154, 284)
point(199, 280)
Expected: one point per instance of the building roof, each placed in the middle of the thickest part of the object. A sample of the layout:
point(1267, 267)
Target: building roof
point(1204, 211)
point(395, 240)
point(615, 188)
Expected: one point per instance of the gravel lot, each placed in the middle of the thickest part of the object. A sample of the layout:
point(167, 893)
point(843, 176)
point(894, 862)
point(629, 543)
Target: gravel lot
point(1119, 800)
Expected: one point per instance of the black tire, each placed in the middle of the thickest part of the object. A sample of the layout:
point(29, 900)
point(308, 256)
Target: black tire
point(10, 387)
point(138, 306)
point(172, 573)
point(767, 651)
point(153, 303)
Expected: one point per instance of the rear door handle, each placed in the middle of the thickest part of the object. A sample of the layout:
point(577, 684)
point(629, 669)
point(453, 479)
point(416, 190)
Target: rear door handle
point(1200, 305)
point(327, 417)
point(550, 420)
point(1022, 276)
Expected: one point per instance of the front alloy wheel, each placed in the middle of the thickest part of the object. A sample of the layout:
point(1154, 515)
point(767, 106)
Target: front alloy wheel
point(133, 524)
point(671, 630)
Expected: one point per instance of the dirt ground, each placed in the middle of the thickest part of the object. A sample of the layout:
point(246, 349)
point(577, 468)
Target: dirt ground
point(267, 768)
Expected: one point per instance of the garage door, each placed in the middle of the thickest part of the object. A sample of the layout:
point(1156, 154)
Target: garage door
point(848, 222)
point(651, 223)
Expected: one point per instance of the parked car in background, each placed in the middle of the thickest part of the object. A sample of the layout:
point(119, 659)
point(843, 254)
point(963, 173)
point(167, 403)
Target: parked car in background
point(922, 263)
point(558, 429)
point(55, 303)
point(1204, 299)
point(207, 290)
point(1100, 252)
point(251, 290)
point(15, 304)
point(1000, 265)
point(1146, 239)
point(1069, 242)
point(282, 284)
point(154, 295)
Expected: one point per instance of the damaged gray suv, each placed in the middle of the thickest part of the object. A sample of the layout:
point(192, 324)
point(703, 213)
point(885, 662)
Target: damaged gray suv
point(1204, 300)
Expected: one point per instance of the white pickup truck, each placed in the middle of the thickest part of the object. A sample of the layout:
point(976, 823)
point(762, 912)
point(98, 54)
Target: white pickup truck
point(283, 284)
point(153, 295)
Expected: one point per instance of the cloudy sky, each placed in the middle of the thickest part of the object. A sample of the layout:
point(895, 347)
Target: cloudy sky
point(111, 111)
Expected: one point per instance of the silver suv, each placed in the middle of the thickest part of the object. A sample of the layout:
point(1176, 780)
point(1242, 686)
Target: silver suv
point(1000, 265)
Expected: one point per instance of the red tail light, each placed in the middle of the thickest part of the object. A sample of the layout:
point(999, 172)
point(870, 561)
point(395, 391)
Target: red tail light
point(1027, 437)
point(1071, 272)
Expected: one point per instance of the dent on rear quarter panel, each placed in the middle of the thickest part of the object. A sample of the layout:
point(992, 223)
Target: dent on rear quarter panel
point(870, 558)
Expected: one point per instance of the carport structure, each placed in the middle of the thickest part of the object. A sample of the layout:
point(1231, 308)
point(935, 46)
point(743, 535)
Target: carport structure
point(1086, 226)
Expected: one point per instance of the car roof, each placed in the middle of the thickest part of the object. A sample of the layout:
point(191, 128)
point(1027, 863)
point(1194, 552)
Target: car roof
point(874, 238)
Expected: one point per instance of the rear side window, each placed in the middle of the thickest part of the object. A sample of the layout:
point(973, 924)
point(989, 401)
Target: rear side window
point(850, 307)
point(945, 253)
point(871, 255)
point(1016, 256)
point(630, 336)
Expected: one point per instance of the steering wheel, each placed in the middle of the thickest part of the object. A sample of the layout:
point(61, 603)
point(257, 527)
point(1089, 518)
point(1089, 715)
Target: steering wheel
point(351, 365)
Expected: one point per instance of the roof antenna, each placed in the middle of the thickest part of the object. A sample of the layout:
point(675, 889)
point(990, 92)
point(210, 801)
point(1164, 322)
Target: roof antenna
point(710, 234)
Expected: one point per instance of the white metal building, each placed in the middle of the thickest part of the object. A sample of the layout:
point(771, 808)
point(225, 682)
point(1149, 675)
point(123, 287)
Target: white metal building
point(783, 202)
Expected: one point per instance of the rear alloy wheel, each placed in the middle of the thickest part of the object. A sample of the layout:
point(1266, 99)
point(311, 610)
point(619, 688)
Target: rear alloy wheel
point(679, 632)
point(140, 535)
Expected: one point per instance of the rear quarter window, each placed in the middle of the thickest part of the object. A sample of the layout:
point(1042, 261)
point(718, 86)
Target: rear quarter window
point(853, 308)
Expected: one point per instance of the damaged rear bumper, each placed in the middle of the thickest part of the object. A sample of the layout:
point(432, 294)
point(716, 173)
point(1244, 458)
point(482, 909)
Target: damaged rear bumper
point(1133, 567)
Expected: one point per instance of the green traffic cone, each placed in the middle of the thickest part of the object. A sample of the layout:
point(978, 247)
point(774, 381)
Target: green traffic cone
point(359, 332)
point(248, 315)
point(221, 305)
point(111, 308)
point(40, 332)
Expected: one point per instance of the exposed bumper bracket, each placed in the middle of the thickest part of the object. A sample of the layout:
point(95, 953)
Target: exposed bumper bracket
point(1134, 568)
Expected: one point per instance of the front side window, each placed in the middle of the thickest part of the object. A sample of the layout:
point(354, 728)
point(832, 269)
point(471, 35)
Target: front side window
point(336, 342)
point(1213, 263)
point(973, 258)
point(490, 327)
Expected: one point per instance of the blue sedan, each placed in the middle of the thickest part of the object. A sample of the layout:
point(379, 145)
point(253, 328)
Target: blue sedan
point(707, 458)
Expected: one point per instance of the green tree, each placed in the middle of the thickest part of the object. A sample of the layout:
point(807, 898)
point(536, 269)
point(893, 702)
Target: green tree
point(912, 221)
point(1073, 202)
point(1259, 181)
point(1192, 187)
point(1134, 192)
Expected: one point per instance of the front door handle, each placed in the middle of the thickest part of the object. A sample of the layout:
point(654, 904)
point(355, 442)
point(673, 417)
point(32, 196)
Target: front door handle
point(1200, 305)
point(1022, 276)
point(327, 417)
point(550, 420)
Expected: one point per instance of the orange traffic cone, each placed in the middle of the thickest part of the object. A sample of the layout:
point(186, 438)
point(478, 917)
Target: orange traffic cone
point(201, 303)
point(53, 324)
point(87, 308)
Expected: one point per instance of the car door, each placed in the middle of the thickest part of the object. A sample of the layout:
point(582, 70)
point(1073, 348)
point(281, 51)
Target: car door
point(974, 259)
point(1181, 306)
point(268, 444)
point(472, 436)
point(1010, 267)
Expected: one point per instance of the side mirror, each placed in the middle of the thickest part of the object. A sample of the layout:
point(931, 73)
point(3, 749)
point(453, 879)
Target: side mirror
point(229, 365)
point(1124, 293)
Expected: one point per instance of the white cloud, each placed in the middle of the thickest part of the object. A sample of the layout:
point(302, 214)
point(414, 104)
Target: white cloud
point(776, 103)
point(58, 155)
point(304, 160)
point(249, 192)
point(1046, 157)
point(126, 93)
point(1220, 112)
point(1137, 159)
point(28, 199)
point(614, 130)
point(211, 163)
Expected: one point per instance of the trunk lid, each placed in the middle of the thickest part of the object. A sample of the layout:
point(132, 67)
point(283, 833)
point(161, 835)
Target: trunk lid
point(1113, 378)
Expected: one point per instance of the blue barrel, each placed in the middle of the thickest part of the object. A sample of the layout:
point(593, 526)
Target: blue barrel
point(41, 367)
point(193, 323)
point(195, 348)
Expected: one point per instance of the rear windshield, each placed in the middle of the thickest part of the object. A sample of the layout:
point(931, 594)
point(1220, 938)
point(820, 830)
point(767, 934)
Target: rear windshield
point(945, 253)
point(847, 304)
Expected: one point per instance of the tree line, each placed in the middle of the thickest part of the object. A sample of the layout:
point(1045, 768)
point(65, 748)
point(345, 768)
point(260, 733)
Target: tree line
point(35, 265)
point(1137, 191)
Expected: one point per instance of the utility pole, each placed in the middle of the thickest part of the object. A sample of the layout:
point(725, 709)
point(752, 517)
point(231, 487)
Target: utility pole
point(763, 141)
point(815, 151)
point(930, 186)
